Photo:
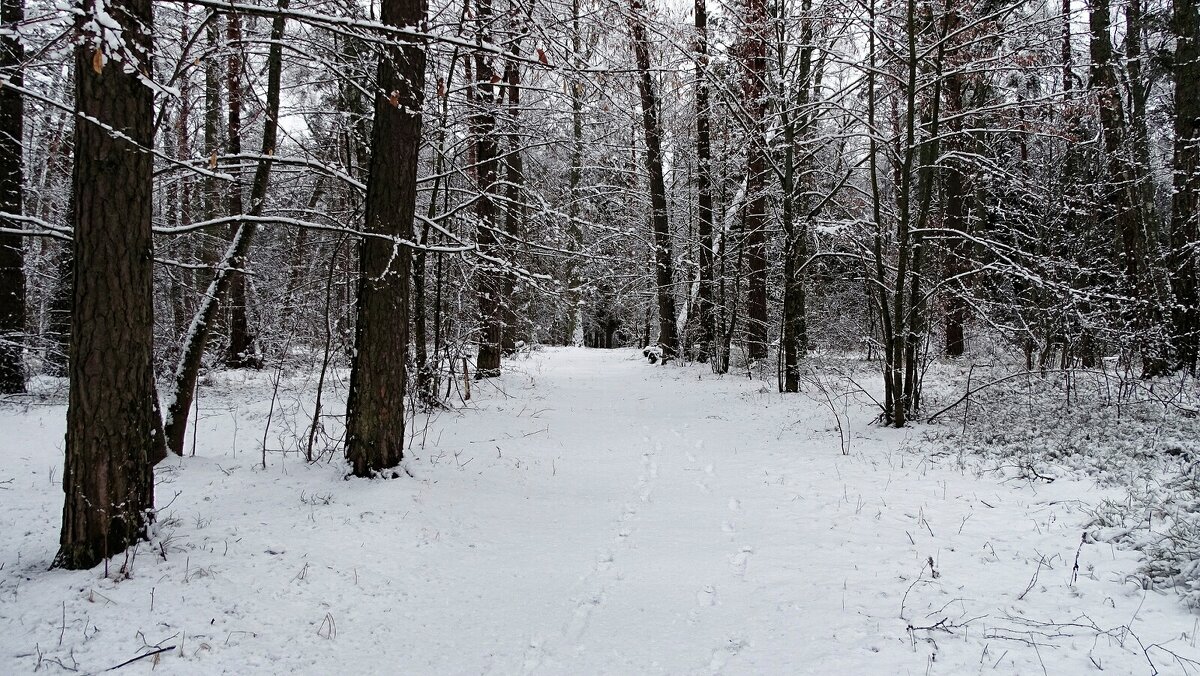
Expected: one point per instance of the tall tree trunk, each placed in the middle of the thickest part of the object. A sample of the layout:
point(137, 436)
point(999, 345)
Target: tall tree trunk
point(113, 427)
point(704, 195)
point(514, 172)
point(753, 90)
point(794, 337)
point(12, 252)
point(1122, 191)
point(663, 262)
point(574, 280)
point(483, 123)
point(378, 376)
point(955, 221)
point(187, 369)
point(1185, 200)
point(240, 353)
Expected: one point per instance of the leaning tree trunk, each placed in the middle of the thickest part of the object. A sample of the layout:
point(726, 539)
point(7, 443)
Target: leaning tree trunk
point(663, 263)
point(12, 256)
point(187, 369)
point(113, 428)
point(375, 409)
point(1185, 201)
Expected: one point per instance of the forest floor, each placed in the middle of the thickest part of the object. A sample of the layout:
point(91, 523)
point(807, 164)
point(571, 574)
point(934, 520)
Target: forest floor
point(584, 513)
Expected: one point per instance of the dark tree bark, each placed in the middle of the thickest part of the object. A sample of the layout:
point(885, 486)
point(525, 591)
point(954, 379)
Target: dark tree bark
point(664, 274)
point(1185, 200)
point(1122, 192)
point(240, 353)
point(753, 89)
point(113, 427)
point(704, 196)
point(483, 123)
point(375, 410)
point(955, 221)
point(797, 126)
point(514, 173)
point(12, 253)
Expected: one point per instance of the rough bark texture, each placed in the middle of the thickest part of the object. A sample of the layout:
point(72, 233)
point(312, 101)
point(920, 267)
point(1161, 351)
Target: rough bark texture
point(375, 410)
point(663, 263)
point(12, 257)
point(113, 428)
point(1185, 202)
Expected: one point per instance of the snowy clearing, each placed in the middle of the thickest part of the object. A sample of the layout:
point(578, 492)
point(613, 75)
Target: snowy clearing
point(586, 513)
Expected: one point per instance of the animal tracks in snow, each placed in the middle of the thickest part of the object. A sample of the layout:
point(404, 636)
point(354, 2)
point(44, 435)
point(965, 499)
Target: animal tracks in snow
point(739, 562)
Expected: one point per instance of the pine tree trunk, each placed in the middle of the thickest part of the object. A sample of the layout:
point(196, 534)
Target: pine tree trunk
point(113, 428)
point(12, 252)
point(378, 377)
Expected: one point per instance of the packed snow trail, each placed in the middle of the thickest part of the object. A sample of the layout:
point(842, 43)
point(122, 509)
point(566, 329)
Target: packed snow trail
point(585, 513)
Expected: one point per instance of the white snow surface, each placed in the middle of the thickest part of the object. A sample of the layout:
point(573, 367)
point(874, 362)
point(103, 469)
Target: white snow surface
point(586, 513)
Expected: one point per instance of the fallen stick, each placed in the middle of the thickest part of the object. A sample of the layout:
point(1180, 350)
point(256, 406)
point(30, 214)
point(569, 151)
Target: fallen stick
point(139, 657)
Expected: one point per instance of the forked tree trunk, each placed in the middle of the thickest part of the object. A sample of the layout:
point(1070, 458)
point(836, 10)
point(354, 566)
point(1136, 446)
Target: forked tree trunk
point(12, 256)
point(113, 427)
point(378, 376)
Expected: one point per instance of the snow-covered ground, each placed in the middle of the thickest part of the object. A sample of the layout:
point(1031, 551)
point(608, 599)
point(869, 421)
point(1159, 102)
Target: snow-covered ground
point(586, 513)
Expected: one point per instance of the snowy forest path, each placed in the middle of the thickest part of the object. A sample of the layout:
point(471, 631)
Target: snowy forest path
point(585, 513)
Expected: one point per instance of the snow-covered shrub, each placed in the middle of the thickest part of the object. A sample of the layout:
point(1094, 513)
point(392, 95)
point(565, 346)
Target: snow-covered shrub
point(1141, 437)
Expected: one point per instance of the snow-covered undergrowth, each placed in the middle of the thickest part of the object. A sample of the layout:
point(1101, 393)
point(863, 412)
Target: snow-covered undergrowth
point(585, 513)
point(1140, 437)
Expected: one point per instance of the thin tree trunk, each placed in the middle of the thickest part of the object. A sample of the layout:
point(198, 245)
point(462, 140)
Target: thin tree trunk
point(113, 427)
point(378, 376)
